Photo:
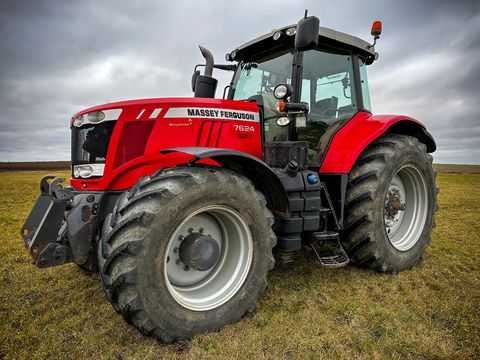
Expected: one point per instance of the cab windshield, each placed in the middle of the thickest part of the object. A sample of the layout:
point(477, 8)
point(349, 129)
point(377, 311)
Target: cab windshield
point(262, 75)
point(327, 86)
point(258, 78)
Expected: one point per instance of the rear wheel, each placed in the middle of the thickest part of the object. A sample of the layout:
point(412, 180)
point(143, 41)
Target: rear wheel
point(390, 204)
point(186, 251)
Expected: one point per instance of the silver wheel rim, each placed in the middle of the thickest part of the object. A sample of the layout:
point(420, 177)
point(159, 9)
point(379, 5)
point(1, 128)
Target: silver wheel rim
point(406, 208)
point(209, 289)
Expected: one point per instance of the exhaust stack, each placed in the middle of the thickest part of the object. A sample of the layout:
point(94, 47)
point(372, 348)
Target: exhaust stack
point(206, 85)
point(208, 60)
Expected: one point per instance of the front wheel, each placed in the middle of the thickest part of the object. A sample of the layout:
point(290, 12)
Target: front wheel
point(186, 250)
point(390, 204)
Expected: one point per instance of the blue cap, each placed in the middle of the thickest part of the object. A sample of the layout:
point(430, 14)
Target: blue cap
point(312, 178)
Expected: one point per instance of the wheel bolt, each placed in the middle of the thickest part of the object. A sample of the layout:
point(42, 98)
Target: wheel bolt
point(178, 261)
point(186, 268)
point(181, 237)
point(190, 230)
point(175, 250)
point(201, 230)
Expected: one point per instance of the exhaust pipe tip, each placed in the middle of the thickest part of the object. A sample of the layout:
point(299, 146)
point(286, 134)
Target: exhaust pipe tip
point(208, 60)
point(206, 85)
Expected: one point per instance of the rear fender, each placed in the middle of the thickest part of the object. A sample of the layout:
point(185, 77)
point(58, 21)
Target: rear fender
point(350, 140)
point(261, 175)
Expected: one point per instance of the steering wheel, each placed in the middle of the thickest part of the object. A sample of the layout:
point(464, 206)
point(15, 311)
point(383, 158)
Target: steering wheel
point(330, 112)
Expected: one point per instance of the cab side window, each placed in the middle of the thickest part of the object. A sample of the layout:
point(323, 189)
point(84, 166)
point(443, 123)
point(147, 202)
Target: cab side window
point(327, 85)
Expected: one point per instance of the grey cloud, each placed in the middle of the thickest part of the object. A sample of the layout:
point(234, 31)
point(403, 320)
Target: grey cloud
point(59, 57)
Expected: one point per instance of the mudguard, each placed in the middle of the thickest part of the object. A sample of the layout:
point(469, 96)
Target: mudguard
point(352, 138)
point(262, 176)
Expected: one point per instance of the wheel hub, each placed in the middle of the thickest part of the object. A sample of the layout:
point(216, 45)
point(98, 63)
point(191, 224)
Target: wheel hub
point(406, 207)
point(208, 257)
point(200, 252)
point(394, 203)
point(394, 206)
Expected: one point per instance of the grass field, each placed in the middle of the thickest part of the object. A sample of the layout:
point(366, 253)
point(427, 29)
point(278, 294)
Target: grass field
point(35, 165)
point(429, 312)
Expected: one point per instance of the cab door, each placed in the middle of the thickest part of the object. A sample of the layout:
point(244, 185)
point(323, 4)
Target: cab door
point(328, 87)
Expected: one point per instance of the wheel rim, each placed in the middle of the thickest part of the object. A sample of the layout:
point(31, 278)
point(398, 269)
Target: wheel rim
point(406, 207)
point(208, 289)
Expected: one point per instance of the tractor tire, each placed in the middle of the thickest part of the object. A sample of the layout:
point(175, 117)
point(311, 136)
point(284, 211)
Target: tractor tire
point(186, 251)
point(390, 204)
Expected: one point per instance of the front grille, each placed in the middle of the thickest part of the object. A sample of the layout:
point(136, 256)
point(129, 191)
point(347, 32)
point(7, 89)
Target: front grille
point(90, 143)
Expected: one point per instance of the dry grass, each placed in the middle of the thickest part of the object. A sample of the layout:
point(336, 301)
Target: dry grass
point(457, 168)
point(431, 311)
point(35, 165)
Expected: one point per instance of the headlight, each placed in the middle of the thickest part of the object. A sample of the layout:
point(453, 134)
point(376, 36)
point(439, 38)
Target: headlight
point(282, 91)
point(78, 121)
point(95, 117)
point(277, 35)
point(291, 31)
point(88, 170)
point(283, 121)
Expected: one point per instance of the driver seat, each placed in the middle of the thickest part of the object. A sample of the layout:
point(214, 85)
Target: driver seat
point(321, 106)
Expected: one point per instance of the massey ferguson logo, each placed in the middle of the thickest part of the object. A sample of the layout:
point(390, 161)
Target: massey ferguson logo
point(212, 113)
point(220, 113)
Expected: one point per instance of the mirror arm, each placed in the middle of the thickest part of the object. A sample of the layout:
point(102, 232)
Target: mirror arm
point(226, 67)
point(299, 107)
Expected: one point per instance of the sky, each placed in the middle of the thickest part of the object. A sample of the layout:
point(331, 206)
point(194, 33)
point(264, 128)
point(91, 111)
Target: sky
point(59, 57)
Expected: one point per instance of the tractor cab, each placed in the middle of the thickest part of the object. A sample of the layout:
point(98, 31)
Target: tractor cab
point(328, 76)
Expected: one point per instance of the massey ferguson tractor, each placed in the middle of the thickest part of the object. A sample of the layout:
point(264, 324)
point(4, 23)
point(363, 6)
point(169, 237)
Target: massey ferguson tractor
point(180, 203)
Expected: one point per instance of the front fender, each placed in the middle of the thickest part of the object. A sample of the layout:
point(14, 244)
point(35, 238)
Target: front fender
point(350, 140)
point(261, 175)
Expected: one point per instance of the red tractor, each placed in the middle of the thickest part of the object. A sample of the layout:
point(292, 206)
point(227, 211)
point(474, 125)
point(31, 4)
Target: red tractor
point(179, 202)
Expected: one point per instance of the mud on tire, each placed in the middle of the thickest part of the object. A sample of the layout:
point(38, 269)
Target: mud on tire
point(135, 248)
point(376, 236)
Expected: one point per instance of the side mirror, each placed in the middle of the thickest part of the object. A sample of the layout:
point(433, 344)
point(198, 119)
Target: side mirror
point(194, 79)
point(306, 37)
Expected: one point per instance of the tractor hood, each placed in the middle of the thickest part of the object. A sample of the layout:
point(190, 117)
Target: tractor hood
point(112, 144)
point(150, 105)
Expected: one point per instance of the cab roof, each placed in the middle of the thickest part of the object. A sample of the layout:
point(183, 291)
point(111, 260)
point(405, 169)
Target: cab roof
point(327, 36)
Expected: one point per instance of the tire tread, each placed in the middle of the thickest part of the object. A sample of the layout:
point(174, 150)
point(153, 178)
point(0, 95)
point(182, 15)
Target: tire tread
point(117, 256)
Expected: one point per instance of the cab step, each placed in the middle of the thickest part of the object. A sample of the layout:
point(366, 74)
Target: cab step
point(327, 251)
